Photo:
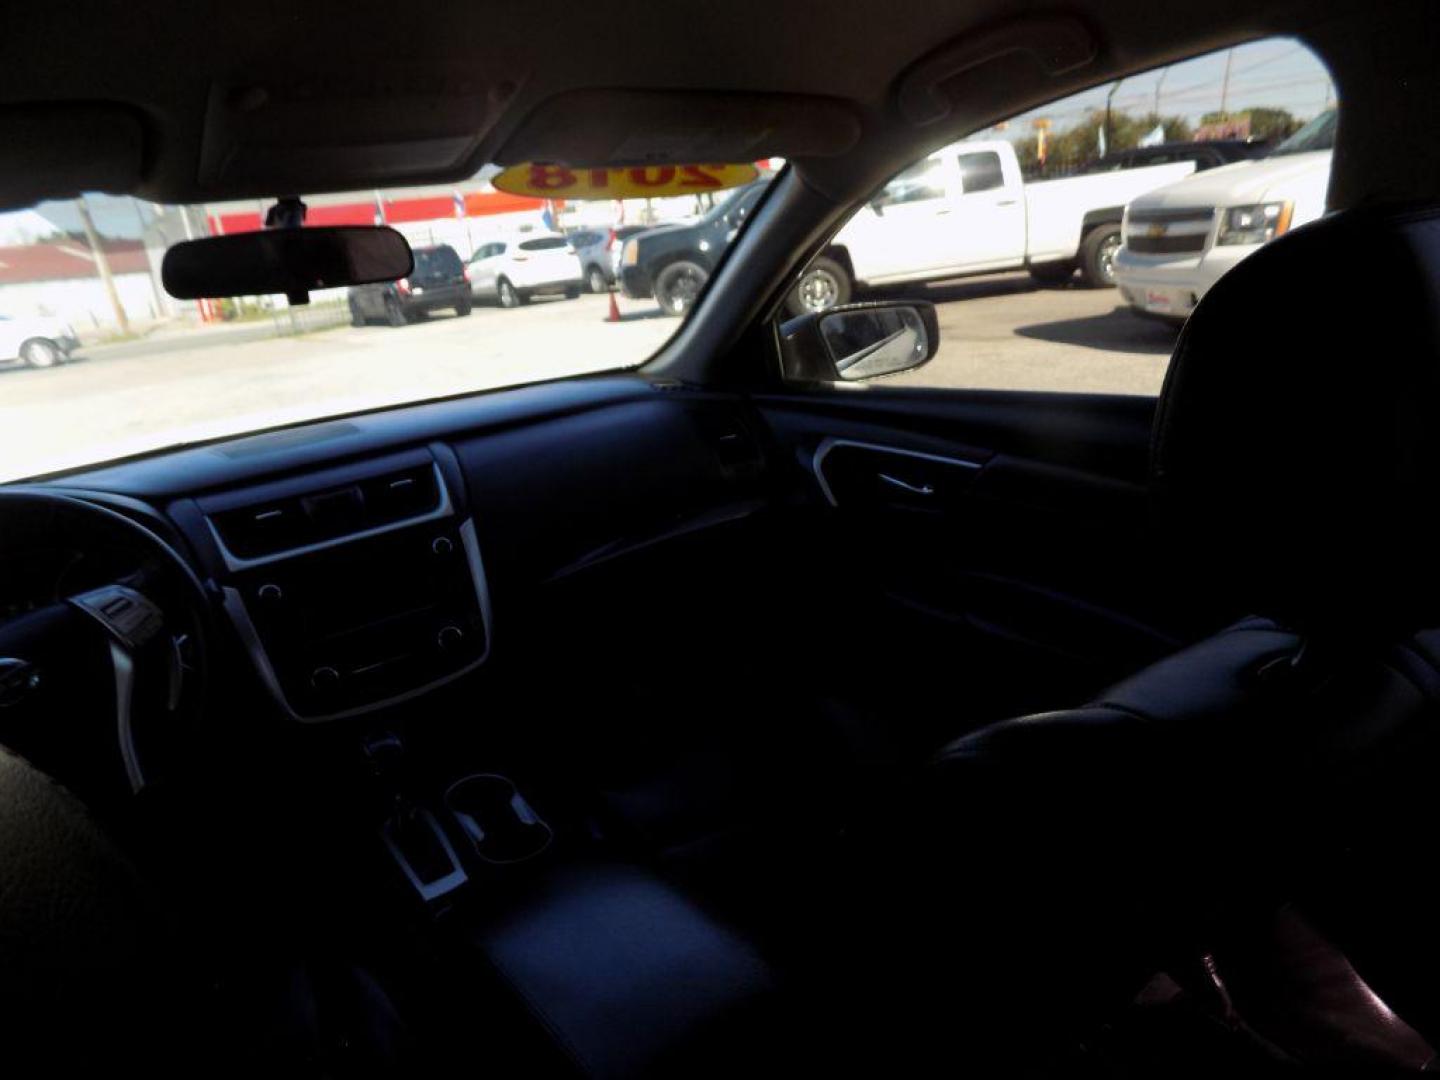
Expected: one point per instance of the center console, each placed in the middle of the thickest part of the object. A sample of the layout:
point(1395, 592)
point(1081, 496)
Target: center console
point(353, 588)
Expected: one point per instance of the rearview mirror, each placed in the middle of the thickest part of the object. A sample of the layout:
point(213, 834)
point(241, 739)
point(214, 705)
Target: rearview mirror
point(289, 261)
point(860, 341)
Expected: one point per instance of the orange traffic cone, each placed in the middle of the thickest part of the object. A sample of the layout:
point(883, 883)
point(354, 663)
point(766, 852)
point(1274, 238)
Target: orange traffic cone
point(614, 315)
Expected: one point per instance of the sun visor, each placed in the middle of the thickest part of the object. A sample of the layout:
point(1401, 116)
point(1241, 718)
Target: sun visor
point(1014, 54)
point(60, 151)
point(283, 136)
point(639, 127)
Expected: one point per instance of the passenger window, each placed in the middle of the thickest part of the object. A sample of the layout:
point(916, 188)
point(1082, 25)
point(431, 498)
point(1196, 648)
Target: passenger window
point(922, 181)
point(1096, 240)
point(981, 172)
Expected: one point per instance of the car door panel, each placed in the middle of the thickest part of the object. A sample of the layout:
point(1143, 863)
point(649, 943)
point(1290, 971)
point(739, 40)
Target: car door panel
point(911, 228)
point(1001, 541)
point(989, 221)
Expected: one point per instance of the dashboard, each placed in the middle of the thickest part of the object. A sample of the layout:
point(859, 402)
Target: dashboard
point(364, 562)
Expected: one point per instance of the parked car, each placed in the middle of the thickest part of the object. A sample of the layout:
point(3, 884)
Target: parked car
point(672, 262)
point(967, 209)
point(1179, 239)
point(599, 253)
point(36, 342)
point(1205, 155)
point(589, 245)
point(617, 247)
point(438, 281)
point(511, 271)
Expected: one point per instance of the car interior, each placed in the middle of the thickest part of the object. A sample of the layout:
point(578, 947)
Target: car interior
point(725, 714)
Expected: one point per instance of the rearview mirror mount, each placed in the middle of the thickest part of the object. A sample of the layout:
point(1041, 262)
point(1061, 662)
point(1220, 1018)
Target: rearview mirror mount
point(292, 261)
point(859, 341)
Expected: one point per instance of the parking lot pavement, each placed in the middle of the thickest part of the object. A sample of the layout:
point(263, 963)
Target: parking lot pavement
point(995, 332)
point(1002, 332)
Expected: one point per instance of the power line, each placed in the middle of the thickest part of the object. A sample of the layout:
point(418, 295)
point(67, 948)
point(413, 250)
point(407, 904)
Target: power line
point(1143, 100)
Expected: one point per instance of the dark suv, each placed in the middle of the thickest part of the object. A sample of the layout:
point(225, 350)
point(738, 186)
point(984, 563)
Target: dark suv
point(1205, 155)
point(673, 262)
point(438, 281)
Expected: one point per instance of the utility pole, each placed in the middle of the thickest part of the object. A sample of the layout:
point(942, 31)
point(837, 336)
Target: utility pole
point(159, 306)
point(1109, 98)
point(1225, 85)
point(102, 264)
point(1158, 84)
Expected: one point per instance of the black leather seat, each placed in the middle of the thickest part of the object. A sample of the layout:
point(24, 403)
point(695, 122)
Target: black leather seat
point(1295, 465)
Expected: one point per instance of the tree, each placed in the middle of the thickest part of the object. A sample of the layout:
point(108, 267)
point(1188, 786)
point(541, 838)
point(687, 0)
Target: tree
point(1079, 144)
point(1265, 122)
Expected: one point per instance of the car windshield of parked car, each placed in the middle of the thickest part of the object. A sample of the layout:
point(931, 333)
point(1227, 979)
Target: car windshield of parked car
point(1318, 134)
point(98, 362)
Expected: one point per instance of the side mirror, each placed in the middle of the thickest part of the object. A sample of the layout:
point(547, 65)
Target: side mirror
point(859, 341)
point(289, 261)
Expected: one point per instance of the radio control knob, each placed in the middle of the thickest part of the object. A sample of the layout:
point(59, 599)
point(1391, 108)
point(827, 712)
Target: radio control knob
point(442, 546)
point(270, 593)
point(449, 638)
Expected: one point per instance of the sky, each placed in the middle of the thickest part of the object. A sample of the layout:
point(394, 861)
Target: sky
point(1278, 72)
point(113, 216)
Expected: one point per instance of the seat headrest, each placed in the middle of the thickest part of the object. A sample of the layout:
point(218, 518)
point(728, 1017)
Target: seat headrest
point(1296, 453)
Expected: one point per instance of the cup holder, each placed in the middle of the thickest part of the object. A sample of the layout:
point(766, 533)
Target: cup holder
point(500, 824)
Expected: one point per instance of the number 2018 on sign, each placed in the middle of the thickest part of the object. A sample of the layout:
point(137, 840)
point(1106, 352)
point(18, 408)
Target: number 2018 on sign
point(560, 177)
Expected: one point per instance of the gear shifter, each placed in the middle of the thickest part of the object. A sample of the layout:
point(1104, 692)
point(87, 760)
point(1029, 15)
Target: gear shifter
point(409, 831)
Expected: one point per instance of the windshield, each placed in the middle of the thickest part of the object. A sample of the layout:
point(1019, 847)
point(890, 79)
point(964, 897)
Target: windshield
point(97, 362)
point(730, 200)
point(1318, 134)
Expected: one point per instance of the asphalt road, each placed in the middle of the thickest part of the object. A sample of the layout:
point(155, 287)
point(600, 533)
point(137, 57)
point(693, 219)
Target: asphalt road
point(1005, 333)
point(996, 332)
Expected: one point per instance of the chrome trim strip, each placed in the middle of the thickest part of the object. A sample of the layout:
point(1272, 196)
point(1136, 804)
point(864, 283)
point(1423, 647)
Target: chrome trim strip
point(829, 443)
point(235, 563)
point(124, 665)
point(431, 890)
point(234, 605)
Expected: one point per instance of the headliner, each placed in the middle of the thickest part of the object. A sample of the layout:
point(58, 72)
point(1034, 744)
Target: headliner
point(185, 101)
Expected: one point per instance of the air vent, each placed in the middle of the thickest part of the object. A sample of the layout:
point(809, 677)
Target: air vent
point(735, 447)
point(283, 524)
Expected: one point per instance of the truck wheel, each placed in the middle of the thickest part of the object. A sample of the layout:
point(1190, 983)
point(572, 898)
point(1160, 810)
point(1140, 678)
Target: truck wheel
point(595, 279)
point(1097, 255)
point(677, 286)
point(823, 285)
point(40, 353)
point(394, 313)
point(1053, 274)
point(508, 296)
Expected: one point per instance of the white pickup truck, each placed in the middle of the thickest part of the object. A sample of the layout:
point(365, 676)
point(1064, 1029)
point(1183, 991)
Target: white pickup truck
point(966, 209)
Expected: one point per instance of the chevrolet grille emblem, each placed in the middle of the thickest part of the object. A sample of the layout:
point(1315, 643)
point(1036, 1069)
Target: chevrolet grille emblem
point(1155, 231)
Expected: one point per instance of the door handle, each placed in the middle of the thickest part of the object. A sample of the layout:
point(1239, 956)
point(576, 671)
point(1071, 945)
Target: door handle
point(1006, 202)
point(913, 489)
point(943, 212)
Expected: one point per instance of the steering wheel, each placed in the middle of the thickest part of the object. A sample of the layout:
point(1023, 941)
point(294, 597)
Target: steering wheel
point(102, 644)
point(102, 663)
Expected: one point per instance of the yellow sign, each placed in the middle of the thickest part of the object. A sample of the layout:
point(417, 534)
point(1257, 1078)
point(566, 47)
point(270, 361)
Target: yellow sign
point(611, 182)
